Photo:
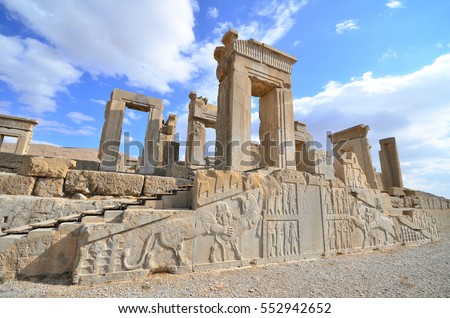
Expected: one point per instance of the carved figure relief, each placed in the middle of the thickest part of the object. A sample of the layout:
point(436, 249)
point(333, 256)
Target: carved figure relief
point(377, 221)
point(416, 225)
point(290, 196)
point(101, 257)
point(283, 238)
point(224, 224)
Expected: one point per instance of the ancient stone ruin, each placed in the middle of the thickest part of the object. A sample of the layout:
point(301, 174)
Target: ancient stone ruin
point(19, 128)
point(252, 203)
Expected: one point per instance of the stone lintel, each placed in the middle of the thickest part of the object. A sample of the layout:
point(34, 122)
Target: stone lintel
point(358, 131)
point(137, 101)
point(259, 52)
point(13, 122)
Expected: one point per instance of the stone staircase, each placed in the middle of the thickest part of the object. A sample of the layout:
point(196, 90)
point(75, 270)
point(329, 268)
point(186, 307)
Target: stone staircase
point(179, 197)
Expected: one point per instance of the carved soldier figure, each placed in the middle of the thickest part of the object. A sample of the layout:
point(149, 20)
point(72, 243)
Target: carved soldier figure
point(294, 240)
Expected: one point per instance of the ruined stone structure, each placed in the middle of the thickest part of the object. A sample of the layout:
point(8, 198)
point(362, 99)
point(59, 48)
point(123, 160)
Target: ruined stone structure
point(157, 135)
point(17, 127)
point(354, 140)
point(201, 116)
point(246, 69)
point(213, 218)
point(390, 164)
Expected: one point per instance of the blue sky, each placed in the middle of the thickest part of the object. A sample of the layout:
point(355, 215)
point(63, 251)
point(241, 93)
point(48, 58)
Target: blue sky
point(383, 63)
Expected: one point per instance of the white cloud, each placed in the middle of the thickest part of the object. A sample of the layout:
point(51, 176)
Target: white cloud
point(41, 142)
point(415, 108)
point(103, 40)
point(126, 121)
point(79, 118)
point(99, 101)
point(213, 12)
point(278, 19)
point(346, 26)
point(56, 126)
point(296, 43)
point(35, 71)
point(389, 54)
point(394, 4)
point(132, 115)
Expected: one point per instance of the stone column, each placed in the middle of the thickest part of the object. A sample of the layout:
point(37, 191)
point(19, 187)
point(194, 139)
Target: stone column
point(234, 121)
point(152, 145)
point(276, 132)
point(110, 142)
point(196, 142)
point(23, 143)
point(390, 164)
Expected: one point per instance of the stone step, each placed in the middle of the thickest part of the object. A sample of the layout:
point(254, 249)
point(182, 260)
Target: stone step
point(112, 214)
point(146, 198)
point(93, 219)
point(45, 224)
point(128, 204)
point(93, 212)
point(118, 206)
point(70, 218)
point(42, 232)
point(69, 226)
point(20, 230)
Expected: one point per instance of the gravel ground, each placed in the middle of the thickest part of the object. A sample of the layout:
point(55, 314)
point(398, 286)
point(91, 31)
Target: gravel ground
point(413, 271)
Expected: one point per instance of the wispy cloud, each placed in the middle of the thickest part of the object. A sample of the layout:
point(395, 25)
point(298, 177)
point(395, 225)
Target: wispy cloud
point(278, 17)
point(394, 4)
point(346, 26)
point(57, 126)
point(98, 101)
point(213, 12)
point(41, 142)
point(79, 118)
point(389, 54)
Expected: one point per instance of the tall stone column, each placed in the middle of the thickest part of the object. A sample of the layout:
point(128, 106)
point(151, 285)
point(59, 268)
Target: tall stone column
point(276, 130)
point(153, 147)
point(196, 142)
point(390, 164)
point(112, 129)
point(234, 121)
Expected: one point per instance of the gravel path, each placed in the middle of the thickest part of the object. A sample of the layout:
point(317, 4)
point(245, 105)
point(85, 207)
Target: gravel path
point(414, 271)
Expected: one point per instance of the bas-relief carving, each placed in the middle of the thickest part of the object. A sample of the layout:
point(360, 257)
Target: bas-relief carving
point(101, 257)
point(283, 238)
point(416, 225)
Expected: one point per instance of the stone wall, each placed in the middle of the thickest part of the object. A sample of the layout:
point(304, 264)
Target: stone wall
point(11, 162)
point(58, 177)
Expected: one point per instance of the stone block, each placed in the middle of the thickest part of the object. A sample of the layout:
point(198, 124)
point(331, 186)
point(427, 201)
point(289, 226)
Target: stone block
point(15, 184)
point(45, 167)
point(87, 165)
point(103, 183)
point(49, 187)
point(397, 202)
point(396, 192)
point(178, 170)
point(182, 199)
point(10, 162)
point(156, 185)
